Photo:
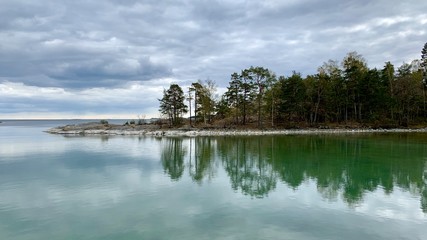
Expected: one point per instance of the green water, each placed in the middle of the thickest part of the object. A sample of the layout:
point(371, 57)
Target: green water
point(369, 186)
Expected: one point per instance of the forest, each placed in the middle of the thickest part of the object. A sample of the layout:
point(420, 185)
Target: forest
point(346, 93)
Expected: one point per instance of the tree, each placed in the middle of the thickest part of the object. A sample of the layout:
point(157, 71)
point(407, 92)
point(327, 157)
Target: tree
point(272, 92)
point(336, 96)
point(408, 93)
point(211, 98)
point(293, 95)
point(424, 70)
point(240, 94)
point(387, 76)
point(172, 104)
point(204, 99)
point(197, 88)
point(355, 69)
point(190, 98)
point(424, 63)
point(232, 95)
point(260, 77)
point(314, 91)
point(319, 89)
point(222, 108)
point(373, 96)
point(246, 93)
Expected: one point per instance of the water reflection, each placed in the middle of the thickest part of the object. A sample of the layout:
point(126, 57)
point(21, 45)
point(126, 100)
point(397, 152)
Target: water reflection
point(344, 167)
point(248, 163)
point(202, 165)
point(172, 158)
point(301, 187)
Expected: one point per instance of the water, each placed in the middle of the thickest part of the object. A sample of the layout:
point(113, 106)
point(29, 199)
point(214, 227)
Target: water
point(370, 186)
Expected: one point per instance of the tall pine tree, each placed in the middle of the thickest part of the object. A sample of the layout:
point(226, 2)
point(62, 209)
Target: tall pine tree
point(172, 104)
point(424, 63)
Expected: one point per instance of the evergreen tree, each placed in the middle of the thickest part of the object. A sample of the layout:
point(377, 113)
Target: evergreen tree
point(240, 94)
point(335, 96)
point(355, 70)
point(293, 96)
point(352, 92)
point(172, 104)
point(408, 93)
point(232, 96)
point(247, 93)
point(260, 79)
point(388, 80)
point(424, 70)
point(424, 63)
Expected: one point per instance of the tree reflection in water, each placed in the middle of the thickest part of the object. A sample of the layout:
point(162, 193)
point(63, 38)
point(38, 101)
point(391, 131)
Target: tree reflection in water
point(172, 158)
point(201, 158)
point(346, 166)
point(248, 163)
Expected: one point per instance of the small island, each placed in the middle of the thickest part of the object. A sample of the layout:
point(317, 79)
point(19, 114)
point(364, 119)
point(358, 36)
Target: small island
point(103, 128)
point(344, 97)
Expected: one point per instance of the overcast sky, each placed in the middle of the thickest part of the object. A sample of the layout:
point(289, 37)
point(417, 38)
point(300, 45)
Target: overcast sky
point(112, 59)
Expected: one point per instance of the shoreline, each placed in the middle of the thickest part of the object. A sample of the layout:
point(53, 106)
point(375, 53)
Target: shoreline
point(116, 130)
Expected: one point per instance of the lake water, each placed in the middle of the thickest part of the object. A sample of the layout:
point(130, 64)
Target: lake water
point(360, 186)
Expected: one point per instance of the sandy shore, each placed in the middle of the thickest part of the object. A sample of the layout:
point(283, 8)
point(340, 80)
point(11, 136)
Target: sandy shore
point(151, 130)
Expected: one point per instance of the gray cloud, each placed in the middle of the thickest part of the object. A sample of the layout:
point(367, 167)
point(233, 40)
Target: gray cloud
point(92, 72)
point(111, 44)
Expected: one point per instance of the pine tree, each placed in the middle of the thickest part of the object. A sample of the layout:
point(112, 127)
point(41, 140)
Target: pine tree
point(424, 63)
point(260, 79)
point(172, 104)
point(232, 95)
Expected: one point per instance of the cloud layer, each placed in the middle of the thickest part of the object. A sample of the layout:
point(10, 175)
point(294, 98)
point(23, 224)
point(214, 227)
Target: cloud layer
point(111, 47)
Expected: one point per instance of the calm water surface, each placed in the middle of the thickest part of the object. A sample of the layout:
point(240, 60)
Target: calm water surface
point(370, 186)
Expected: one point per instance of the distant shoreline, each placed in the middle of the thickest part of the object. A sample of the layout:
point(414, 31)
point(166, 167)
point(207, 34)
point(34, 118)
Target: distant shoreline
point(152, 130)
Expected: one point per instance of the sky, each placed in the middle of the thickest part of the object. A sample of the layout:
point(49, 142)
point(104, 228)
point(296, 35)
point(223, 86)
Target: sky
point(113, 58)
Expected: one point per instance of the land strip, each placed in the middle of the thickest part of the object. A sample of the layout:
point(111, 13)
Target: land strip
point(154, 130)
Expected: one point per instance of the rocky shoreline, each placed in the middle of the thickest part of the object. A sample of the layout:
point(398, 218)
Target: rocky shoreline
point(153, 130)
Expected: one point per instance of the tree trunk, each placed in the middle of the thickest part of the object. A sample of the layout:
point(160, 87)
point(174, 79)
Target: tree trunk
point(355, 110)
point(316, 109)
point(244, 113)
point(189, 103)
point(259, 111)
point(424, 101)
point(272, 111)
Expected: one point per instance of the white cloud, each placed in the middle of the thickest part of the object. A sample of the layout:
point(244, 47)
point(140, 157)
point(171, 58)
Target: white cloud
point(124, 102)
